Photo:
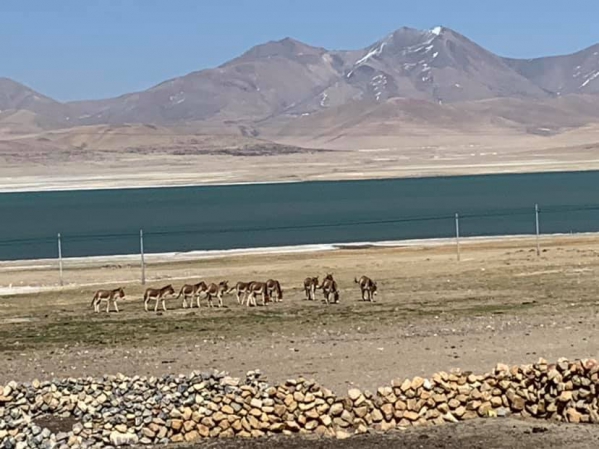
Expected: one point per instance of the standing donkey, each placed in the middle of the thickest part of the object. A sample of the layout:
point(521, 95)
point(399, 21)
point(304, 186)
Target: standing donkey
point(217, 291)
point(368, 288)
point(310, 286)
point(330, 289)
point(242, 291)
point(159, 294)
point(192, 292)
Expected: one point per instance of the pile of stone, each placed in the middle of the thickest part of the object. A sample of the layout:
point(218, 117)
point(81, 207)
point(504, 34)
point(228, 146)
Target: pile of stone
point(121, 411)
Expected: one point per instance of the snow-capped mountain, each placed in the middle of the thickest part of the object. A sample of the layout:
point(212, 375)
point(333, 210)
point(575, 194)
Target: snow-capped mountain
point(287, 79)
point(438, 65)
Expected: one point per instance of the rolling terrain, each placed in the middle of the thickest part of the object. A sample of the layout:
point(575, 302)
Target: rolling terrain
point(417, 95)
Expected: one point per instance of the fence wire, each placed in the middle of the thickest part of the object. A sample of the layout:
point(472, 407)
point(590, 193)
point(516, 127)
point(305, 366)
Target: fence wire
point(475, 219)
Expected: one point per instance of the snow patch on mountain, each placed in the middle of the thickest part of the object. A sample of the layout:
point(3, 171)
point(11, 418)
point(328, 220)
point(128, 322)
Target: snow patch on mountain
point(372, 53)
point(588, 78)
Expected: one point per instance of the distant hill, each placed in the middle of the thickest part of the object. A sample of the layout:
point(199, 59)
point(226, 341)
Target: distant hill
point(408, 81)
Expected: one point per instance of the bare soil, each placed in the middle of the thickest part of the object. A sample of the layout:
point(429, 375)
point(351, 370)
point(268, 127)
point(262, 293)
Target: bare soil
point(481, 434)
point(112, 158)
point(501, 303)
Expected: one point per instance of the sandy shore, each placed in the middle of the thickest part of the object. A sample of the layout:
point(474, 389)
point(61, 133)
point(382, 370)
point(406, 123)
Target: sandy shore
point(169, 171)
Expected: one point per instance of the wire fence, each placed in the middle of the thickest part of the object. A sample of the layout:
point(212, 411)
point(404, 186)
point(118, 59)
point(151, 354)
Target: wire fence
point(522, 221)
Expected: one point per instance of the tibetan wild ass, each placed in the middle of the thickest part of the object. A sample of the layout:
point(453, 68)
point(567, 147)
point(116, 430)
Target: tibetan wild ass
point(330, 289)
point(242, 291)
point(108, 296)
point(310, 286)
point(217, 291)
point(368, 288)
point(259, 288)
point(159, 295)
point(275, 292)
point(191, 292)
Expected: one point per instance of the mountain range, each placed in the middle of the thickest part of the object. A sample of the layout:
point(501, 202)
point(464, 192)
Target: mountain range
point(409, 81)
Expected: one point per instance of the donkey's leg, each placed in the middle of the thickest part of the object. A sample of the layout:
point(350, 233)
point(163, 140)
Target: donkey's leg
point(108, 305)
point(116, 306)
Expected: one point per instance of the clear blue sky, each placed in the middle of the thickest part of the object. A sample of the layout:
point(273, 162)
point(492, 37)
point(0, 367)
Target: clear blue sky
point(76, 49)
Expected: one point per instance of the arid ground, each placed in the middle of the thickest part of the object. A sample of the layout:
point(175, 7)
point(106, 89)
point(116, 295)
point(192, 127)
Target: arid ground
point(482, 434)
point(501, 303)
point(113, 159)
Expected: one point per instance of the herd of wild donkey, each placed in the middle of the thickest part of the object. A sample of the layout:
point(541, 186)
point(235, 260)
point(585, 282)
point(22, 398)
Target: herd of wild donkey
point(269, 291)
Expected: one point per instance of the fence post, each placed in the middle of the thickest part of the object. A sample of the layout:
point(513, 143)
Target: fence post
point(457, 235)
point(538, 229)
point(143, 262)
point(60, 259)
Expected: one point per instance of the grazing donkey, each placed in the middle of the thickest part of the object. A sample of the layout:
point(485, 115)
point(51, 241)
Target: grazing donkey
point(108, 296)
point(259, 288)
point(368, 288)
point(310, 286)
point(191, 292)
point(330, 289)
point(217, 290)
point(275, 292)
point(159, 294)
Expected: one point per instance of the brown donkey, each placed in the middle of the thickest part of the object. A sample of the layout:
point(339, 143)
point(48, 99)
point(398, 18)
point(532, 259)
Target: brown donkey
point(191, 292)
point(108, 296)
point(217, 291)
point(368, 288)
point(330, 289)
point(259, 288)
point(310, 286)
point(275, 292)
point(242, 290)
point(159, 295)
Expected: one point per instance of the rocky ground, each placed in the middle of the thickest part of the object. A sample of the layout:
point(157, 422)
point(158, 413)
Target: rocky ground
point(115, 411)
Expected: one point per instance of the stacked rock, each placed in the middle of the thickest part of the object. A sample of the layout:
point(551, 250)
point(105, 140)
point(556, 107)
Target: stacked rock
point(121, 411)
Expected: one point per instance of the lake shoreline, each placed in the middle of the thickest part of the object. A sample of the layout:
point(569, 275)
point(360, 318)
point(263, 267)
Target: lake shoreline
point(39, 184)
point(266, 215)
point(448, 245)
